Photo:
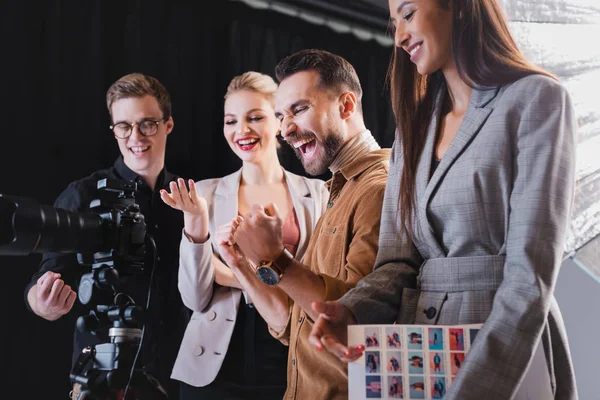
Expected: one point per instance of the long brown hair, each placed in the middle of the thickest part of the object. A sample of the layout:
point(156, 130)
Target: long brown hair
point(485, 54)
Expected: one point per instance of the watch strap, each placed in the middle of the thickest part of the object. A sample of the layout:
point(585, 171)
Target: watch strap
point(284, 260)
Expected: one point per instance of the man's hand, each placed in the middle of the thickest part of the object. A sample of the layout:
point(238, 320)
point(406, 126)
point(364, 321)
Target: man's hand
point(50, 298)
point(260, 235)
point(194, 207)
point(330, 331)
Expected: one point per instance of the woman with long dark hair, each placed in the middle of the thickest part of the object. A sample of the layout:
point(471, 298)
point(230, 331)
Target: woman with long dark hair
point(477, 202)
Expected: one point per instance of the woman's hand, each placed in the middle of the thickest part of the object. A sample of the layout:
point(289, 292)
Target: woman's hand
point(229, 251)
point(194, 207)
point(330, 331)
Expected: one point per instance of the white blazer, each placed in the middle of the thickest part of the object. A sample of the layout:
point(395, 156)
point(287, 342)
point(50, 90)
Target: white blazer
point(215, 307)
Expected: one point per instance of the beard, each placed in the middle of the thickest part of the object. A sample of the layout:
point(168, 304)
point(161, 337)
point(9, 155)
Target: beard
point(327, 151)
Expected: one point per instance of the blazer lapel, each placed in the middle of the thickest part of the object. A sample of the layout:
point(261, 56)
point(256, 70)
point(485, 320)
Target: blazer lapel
point(476, 115)
point(304, 208)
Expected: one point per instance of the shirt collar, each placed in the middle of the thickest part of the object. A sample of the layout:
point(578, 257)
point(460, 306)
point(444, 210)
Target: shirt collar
point(356, 147)
point(164, 177)
point(364, 162)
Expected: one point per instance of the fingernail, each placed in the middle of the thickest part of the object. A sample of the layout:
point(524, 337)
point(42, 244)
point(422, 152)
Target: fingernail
point(347, 353)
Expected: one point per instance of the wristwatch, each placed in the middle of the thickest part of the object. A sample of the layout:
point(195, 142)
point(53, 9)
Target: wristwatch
point(270, 272)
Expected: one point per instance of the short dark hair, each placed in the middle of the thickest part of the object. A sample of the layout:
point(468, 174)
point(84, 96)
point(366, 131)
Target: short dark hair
point(139, 85)
point(335, 72)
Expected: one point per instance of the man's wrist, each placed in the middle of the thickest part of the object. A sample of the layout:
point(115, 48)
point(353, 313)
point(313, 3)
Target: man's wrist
point(284, 260)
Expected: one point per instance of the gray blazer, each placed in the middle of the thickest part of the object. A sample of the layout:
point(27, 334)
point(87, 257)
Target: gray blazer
point(489, 231)
point(215, 307)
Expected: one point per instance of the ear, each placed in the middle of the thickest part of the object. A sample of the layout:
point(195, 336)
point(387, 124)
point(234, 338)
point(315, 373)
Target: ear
point(169, 124)
point(348, 104)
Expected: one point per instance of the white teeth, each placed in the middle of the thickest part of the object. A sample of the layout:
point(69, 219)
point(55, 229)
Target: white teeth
point(246, 142)
point(414, 50)
point(301, 142)
point(139, 149)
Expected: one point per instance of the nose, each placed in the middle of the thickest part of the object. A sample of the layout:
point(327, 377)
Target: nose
point(242, 128)
point(135, 131)
point(287, 127)
point(401, 37)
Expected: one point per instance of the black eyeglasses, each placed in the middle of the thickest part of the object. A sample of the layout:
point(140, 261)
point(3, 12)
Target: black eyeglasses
point(147, 127)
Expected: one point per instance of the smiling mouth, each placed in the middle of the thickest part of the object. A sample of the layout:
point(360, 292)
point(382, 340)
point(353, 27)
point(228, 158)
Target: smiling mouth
point(413, 50)
point(307, 147)
point(137, 150)
point(247, 144)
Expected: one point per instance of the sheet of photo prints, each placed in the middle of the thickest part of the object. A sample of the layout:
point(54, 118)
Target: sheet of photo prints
point(407, 361)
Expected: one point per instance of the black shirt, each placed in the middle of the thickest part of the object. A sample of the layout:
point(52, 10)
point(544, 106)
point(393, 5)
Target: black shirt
point(166, 317)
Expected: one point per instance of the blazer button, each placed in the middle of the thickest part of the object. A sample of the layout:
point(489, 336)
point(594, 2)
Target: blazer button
point(430, 312)
point(198, 351)
point(212, 315)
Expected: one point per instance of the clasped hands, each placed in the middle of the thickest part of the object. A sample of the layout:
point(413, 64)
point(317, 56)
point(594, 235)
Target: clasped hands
point(258, 236)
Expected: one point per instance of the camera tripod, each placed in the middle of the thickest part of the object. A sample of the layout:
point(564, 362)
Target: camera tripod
point(107, 371)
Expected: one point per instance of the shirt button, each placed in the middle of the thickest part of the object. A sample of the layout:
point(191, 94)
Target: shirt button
point(212, 316)
point(294, 361)
point(430, 312)
point(156, 226)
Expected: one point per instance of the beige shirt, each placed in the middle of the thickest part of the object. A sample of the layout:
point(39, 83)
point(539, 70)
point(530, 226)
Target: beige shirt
point(342, 250)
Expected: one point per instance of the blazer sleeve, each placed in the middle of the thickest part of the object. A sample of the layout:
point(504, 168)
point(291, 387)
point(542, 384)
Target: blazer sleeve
point(540, 206)
point(196, 275)
point(376, 299)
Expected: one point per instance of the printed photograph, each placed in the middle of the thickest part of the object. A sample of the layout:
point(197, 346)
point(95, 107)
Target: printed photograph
point(415, 362)
point(457, 339)
point(456, 360)
point(394, 361)
point(395, 389)
point(436, 338)
point(372, 337)
point(417, 387)
point(372, 362)
point(436, 363)
point(472, 334)
point(438, 387)
point(373, 384)
point(392, 334)
point(414, 337)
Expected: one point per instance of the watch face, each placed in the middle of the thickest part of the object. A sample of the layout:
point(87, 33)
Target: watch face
point(267, 275)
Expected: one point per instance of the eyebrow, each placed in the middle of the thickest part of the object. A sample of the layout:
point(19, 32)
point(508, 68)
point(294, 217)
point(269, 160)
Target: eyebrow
point(298, 103)
point(140, 120)
point(402, 5)
point(247, 112)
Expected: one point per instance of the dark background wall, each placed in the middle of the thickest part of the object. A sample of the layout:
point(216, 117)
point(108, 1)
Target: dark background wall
point(59, 58)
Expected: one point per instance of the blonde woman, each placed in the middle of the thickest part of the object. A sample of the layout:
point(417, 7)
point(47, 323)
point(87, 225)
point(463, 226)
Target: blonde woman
point(227, 351)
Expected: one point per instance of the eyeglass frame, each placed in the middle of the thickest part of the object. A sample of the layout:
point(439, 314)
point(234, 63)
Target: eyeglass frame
point(157, 122)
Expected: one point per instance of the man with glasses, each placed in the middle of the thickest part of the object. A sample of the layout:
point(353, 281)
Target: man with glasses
point(140, 109)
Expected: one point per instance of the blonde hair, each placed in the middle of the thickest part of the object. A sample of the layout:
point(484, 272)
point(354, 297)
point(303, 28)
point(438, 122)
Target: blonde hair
point(254, 82)
point(139, 85)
